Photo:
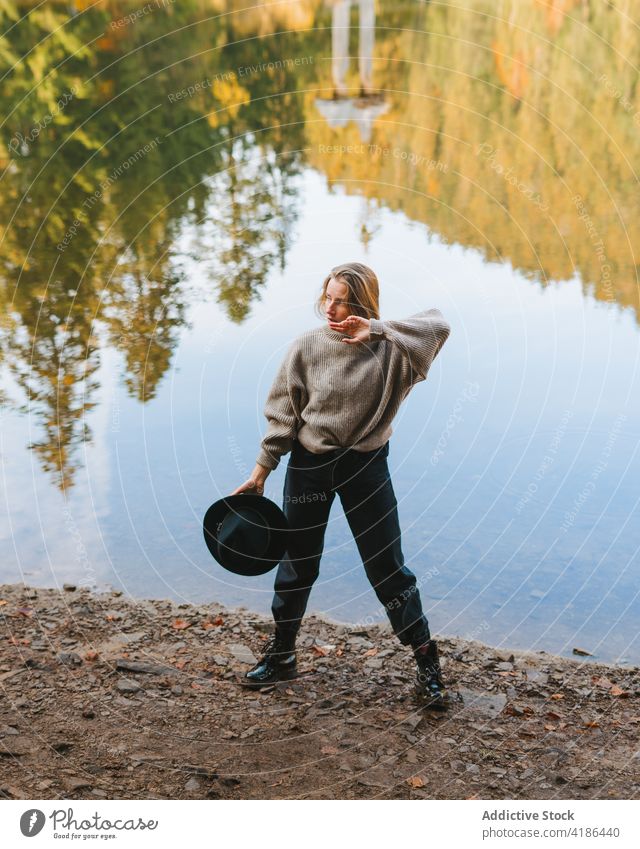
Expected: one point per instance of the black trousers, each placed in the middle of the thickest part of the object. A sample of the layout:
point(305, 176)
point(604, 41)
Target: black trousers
point(362, 481)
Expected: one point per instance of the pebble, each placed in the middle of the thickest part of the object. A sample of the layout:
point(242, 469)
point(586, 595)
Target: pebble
point(143, 666)
point(128, 685)
point(69, 658)
point(482, 702)
point(75, 784)
point(242, 653)
point(15, 747)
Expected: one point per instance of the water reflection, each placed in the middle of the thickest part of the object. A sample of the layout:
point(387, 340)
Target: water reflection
point(159, 168)
point(369, 104)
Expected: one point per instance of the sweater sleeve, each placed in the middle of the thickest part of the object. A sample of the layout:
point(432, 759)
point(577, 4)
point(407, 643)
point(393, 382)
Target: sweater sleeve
point(420, 338)
point(282, 410)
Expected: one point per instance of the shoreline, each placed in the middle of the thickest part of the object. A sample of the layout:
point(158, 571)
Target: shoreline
point(107, 590)
point(105, 696)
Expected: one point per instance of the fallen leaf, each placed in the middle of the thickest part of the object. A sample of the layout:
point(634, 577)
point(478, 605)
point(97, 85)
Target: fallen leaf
point(557, 696)
point(618, 691)
point(195, 686)
point(3, 602)
point(592, 724)
point(553, 715)
point(180, 624)
point(549, 727)
point(602, 682)
point(340, 652)
point(25, 611)
point(91, 655)
point(213, 623)
point(180, 664)
point(416, 781)
point(320, 651)
point(329, 750)
point(370, 652)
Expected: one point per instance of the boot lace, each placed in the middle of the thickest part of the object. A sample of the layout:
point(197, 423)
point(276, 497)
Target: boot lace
point(276, 647)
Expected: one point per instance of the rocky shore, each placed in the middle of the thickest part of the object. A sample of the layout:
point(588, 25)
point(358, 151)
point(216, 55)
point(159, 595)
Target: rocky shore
point(105, 697)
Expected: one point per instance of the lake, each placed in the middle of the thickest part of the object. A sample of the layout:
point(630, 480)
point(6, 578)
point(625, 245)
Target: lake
point(177, 182)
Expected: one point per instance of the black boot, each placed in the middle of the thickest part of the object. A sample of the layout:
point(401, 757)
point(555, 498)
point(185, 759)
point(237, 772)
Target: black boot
point(429, 684)
point(277, 664)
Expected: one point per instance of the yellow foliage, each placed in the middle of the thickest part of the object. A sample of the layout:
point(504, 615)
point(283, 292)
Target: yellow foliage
point(231, 96)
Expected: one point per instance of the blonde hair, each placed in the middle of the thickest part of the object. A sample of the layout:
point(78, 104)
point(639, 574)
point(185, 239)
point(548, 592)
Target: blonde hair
point(363, 290)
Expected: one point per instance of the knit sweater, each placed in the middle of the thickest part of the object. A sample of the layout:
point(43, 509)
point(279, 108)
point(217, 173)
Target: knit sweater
point(328, 394)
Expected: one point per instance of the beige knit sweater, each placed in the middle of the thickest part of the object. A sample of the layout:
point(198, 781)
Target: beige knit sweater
point(328, 394)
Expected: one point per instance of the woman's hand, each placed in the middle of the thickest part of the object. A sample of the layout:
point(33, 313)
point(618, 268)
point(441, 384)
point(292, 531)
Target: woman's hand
point(355, 326)
point(255, 484)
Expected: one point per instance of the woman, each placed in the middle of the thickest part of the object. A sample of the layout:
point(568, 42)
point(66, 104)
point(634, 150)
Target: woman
point(331, 404)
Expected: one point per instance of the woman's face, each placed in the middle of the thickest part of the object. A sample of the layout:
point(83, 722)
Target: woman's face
point(336, 303)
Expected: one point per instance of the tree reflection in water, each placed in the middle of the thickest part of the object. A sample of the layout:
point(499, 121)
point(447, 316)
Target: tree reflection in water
point(84, 267)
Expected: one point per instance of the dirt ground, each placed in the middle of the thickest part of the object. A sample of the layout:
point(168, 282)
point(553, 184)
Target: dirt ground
point(106, 697)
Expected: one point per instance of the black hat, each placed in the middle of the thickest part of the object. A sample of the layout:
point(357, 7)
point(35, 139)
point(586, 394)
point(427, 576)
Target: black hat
point(246, 533)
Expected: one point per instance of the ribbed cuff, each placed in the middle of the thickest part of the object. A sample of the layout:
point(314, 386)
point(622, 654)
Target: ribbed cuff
point(376, 328)
point(267, 460)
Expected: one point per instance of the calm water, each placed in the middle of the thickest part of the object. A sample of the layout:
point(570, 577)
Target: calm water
point(173, 190)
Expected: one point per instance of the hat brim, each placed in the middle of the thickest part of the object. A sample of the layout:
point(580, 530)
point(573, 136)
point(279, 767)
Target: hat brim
point(273, 517)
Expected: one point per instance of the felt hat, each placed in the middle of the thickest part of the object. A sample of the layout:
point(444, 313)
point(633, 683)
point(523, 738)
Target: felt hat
point(246, 533)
